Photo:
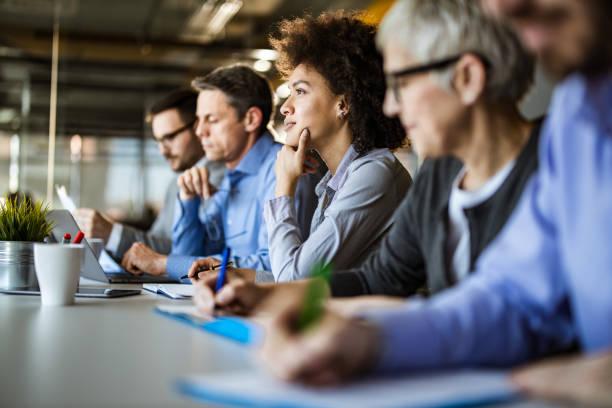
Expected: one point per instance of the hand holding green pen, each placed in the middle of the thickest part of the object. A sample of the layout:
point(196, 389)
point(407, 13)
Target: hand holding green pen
point(314, 298)
point(306, 343)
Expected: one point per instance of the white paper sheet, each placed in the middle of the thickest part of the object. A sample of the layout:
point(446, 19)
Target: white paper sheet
point(65, 199)
point(172, 290)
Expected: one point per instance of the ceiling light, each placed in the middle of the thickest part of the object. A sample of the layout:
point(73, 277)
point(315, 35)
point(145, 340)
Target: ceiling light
point(224, 13)
point(7, 115)
point(76, 145)
point(264, 54)
point(210, 19)
point(262, 65)
point(283, 91)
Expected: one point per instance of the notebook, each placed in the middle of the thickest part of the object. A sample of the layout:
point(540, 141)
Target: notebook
point(234, 328)
point(445, 389)
point(172, 290)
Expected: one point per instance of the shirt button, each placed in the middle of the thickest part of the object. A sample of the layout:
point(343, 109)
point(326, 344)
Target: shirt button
point(229, 222)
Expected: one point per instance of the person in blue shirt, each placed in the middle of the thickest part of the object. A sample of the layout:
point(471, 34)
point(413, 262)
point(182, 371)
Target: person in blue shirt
point(544, 284)
point(233, 109)
point(171, 117)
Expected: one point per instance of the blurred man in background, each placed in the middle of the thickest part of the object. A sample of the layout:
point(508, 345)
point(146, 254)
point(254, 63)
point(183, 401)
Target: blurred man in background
point(172, 119)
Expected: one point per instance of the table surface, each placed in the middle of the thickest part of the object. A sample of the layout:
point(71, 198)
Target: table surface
point(108, 353)
point(103, 352)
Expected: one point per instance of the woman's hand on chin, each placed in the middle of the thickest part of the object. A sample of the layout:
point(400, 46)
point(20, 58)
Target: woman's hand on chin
point(291, 163)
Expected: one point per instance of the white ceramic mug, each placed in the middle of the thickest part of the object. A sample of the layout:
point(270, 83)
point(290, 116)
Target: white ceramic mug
point(58, 267)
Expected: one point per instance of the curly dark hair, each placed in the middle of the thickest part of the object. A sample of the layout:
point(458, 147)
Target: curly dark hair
point(341, 48)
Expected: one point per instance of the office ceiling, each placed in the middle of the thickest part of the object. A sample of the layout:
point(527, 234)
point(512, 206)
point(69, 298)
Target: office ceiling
point(117, 55)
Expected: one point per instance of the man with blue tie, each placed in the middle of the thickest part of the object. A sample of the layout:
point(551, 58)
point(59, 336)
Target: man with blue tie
point(233, 109)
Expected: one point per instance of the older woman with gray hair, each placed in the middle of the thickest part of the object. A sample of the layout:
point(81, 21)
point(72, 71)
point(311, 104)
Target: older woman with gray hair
point(455, 78)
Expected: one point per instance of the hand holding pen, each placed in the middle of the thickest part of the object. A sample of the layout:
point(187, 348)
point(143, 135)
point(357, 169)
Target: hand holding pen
point(222, 270)
point(309, 344)
point(316, 293)
point(203, 265)
point(207, 287)
point(239, 295)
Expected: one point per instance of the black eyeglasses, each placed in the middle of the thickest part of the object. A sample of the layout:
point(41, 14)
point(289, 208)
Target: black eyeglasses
point(168, 137)
point(393, 77)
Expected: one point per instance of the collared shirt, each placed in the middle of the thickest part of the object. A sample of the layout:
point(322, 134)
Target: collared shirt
point(233, 218)
point(328, 186)
point(354, 211)
point(159, 236)
point(546, 282)
point(458, 240)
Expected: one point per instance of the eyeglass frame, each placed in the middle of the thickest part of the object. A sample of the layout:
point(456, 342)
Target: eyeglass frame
point(392, 78)
point(169, 137)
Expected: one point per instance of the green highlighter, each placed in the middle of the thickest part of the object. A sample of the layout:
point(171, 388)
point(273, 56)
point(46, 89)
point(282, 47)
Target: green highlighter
point(312, 308)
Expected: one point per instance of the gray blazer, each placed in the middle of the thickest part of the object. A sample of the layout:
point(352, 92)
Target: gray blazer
point(158, 237)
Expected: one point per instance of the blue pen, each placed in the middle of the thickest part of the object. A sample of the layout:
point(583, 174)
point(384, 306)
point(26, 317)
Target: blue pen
point(221, 278)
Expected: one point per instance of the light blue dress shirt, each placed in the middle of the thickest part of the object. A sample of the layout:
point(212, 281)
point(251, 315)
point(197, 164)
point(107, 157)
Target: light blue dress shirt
point(233, 218)
point(546, 282)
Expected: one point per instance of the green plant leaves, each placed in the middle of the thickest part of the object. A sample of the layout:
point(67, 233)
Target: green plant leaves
point(24, 221)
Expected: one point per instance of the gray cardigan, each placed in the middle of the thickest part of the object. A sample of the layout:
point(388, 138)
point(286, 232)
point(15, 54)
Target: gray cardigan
point(412, 256)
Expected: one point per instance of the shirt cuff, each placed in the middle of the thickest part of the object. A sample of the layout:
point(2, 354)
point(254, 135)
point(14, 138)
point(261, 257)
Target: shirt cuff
point(183, 208)
point(264, 276)
point(408, 340)
point(279, 209)
point(114, 239)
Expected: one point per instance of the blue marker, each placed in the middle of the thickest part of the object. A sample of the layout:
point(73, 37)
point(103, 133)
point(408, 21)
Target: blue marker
point(221, 278)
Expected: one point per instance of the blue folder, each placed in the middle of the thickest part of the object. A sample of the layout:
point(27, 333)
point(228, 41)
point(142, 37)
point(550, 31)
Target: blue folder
point(451, 389)
point(234, 328)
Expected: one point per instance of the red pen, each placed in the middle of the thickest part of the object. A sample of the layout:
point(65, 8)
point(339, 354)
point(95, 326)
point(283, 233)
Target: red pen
point(66, 239)
point(78, 238)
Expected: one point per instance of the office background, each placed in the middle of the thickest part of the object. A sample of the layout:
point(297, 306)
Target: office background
point(87, 70)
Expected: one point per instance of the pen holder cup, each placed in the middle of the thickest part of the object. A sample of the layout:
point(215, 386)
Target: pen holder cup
point(17, 270)
point(58, 267)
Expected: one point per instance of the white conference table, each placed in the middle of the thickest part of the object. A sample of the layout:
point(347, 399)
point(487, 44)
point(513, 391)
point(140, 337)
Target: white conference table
point(108, 353)
point(103, 353)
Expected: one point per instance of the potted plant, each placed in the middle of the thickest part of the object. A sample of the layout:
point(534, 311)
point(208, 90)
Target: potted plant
point(22, 224)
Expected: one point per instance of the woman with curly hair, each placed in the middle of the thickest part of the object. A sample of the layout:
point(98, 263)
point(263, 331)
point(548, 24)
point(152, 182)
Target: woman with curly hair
point(337, 88)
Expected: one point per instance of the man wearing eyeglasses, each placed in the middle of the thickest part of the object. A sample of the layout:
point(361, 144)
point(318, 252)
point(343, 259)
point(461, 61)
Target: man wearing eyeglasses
point(172, 120)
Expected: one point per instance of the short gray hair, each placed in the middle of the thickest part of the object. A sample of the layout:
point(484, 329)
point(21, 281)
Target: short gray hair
point(435, 29)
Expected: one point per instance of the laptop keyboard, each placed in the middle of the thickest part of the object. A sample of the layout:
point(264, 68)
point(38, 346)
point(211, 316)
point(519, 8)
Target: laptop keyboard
point(127, 278)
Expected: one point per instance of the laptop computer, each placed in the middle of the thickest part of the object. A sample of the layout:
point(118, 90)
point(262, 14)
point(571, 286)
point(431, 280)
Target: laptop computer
point(65, 223)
